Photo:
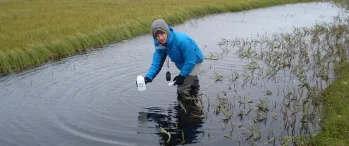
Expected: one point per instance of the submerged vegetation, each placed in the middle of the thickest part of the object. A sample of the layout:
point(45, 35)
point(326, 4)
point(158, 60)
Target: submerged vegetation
point(34, 32)
point(304, 69)
point(292, 90)
point(288, 92)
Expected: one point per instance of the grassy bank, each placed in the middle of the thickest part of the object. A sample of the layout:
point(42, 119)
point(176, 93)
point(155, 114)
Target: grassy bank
point(336, 113)
point(34, 32)
point(336, 105)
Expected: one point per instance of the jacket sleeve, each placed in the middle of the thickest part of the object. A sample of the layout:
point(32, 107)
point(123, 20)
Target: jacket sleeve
point(189, 54)
point(159, 58)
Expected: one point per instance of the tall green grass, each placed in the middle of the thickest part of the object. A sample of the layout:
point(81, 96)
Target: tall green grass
point(36, 31)
point(335, 114)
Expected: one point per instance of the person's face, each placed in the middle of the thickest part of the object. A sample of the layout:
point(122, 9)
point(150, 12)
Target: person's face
point(161, 37)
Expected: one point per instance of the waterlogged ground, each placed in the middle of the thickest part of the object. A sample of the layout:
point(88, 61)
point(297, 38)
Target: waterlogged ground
point(257, 88)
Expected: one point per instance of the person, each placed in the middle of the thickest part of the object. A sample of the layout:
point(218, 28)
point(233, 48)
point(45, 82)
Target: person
point(182, 50)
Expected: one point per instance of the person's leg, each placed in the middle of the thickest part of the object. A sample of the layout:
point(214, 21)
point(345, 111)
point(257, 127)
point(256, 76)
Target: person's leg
point(187, 92)
point(186, 98)
point(195, 87)
point(184, 89)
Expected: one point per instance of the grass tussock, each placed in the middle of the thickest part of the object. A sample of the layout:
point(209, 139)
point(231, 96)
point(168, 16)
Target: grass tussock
point(34, 32)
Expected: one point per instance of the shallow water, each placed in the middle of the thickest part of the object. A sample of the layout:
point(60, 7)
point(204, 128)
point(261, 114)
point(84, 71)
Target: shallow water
point(91, 99)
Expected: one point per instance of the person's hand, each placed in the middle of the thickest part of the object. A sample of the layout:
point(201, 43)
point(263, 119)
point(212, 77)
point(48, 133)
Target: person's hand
point(146, 80)
point(178, 80)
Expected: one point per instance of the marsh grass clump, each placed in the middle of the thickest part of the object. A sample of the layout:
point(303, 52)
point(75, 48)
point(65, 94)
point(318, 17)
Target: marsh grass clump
point(253, 132)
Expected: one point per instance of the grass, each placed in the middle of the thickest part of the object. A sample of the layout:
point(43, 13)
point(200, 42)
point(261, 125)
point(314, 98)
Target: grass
point(336, 113)
point(34, 32)
point(336, 106)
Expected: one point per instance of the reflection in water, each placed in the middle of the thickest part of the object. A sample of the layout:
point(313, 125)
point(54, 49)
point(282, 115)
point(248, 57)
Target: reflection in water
point(182, 121)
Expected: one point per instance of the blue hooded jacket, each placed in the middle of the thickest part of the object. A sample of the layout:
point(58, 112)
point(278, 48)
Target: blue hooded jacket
point(181, 49)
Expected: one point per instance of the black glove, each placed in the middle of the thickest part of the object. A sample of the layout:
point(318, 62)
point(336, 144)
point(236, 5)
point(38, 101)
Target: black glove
point(178, 80)
point(146, 80)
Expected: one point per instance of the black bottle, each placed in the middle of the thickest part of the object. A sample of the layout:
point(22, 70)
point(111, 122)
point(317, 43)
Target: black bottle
point(168, 76)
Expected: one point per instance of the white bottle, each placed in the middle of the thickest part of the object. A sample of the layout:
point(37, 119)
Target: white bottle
point(141, 83)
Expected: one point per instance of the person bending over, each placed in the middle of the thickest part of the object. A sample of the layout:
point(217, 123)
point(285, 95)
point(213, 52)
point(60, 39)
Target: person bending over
point(182, 50)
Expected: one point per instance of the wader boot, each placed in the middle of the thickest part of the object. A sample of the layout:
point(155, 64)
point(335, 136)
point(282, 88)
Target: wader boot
point(188, 91)
point(187, 97)
point(190, 86)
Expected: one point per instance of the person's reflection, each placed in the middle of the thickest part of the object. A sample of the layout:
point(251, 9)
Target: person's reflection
point(182, 121)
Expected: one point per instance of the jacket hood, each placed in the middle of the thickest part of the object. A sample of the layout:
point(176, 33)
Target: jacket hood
point(159, 24)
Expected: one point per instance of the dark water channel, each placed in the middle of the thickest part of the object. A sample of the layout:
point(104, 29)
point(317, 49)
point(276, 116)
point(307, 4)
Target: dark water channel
point(91, 99)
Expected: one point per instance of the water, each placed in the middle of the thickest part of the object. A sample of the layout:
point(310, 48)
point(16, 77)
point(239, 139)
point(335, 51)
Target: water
point(92, 98)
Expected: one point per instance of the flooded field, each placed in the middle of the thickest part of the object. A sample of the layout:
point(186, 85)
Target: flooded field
point(261, 84)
